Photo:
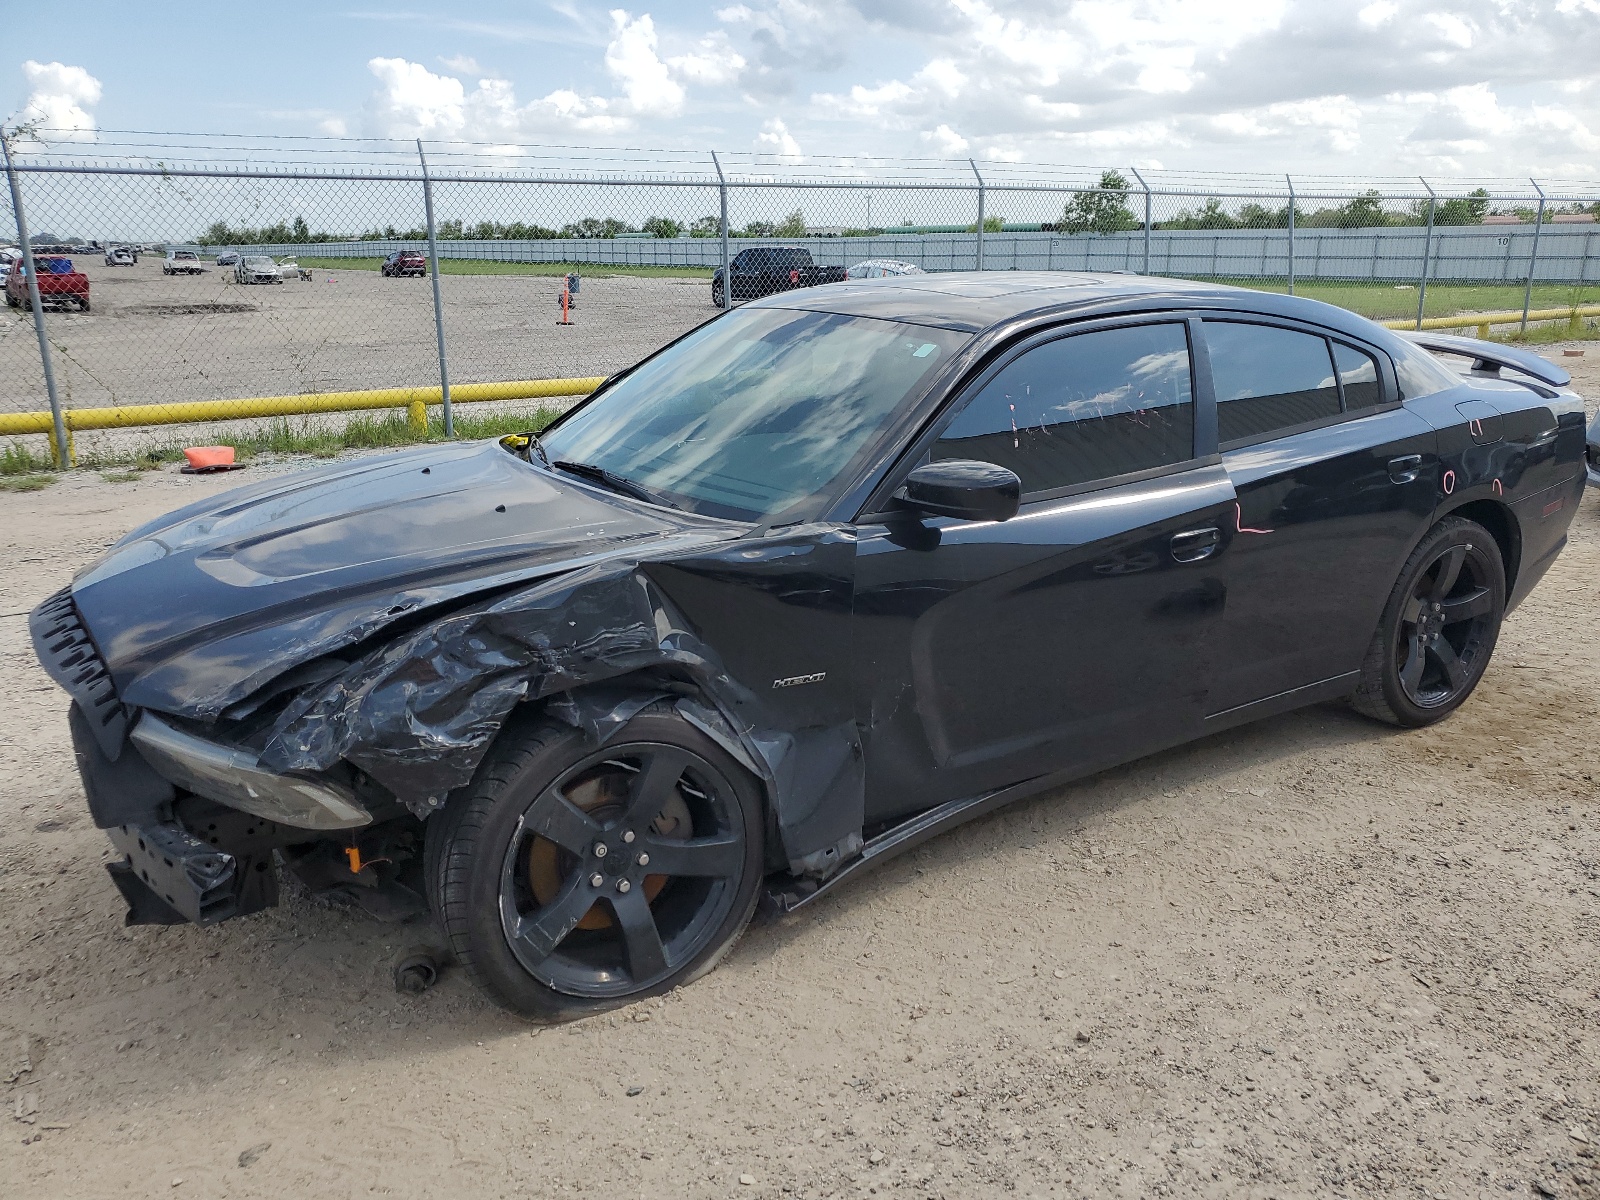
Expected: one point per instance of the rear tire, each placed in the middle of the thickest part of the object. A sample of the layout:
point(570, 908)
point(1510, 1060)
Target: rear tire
point(1438, 628)
point(511, 864)
point(84, 304)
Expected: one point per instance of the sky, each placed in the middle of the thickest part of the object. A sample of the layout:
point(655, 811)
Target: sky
point(1503, 88)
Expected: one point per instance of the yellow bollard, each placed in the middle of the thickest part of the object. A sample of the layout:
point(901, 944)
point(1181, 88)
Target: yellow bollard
point(417, 415)
point(55, 453)
point(1483, 331)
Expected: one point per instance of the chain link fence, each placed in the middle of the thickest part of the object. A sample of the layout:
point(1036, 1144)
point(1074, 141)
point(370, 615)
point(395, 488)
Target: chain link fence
point(398, 296)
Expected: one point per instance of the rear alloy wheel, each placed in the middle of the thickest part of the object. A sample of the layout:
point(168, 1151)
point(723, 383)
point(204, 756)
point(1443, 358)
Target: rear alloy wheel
point(571, 879)
point(1438, 628)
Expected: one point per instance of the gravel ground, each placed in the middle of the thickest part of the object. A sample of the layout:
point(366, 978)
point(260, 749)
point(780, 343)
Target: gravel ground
point(1313, 956)
point(151, 338)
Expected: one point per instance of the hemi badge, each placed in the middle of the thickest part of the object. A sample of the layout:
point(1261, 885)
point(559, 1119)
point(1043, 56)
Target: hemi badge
point(797, 680)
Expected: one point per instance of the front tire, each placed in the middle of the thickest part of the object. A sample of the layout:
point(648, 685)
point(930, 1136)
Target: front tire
point(571, 879)
point(1438, 629)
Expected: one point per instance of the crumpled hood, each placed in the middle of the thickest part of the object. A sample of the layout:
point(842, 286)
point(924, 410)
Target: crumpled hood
point(198, 609)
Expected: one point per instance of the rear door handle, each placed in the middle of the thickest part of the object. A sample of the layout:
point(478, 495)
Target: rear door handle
point(1192, 545)
point(1405, 468)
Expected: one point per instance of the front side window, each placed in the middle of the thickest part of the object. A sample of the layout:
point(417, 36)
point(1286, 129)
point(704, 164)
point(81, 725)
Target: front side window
point(1083, 408)
point(1268, 379)
point(756, 411)
point(1358, 374)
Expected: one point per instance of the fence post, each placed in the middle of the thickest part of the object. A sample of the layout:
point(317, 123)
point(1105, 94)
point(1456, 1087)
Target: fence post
point(1533, 259)
point(1290, 182)
point(974, 167)
point(62, 447)
point(1145, 270)
point(438, 310)
point(1427, 253)
point(727, 269)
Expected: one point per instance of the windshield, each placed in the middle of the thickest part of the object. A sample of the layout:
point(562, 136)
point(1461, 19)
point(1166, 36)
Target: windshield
point(257, 260)
point(756, 411)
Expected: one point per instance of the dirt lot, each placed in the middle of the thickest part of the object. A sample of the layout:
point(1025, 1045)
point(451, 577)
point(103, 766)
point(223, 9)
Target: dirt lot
point(151, 338)
point(1313, 956)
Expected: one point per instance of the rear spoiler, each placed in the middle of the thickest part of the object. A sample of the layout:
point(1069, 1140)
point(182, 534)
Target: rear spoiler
point(1489, 357)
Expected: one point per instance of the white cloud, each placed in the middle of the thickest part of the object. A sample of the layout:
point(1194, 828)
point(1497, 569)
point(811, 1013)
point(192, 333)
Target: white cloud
point(463, 64)
point(775, 138)
point(412, 101)
point(632, 61)
point(61, 100)
point(713, 61)
point(945, 140)
point(333, 127)
point(1380, 12)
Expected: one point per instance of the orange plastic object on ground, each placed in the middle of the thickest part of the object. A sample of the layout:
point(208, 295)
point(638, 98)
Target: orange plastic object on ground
point(209, 458)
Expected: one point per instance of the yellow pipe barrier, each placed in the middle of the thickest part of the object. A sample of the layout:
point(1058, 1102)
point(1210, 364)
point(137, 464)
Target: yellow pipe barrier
point(1483, 320)
point(413, 399)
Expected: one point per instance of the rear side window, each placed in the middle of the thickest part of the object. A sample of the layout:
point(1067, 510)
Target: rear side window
point(1268, 379)
point(1083, 408)
point(1358, 374)
point(1420, 373)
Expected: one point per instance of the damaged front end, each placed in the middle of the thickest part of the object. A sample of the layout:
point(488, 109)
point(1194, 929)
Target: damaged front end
point(325, 715)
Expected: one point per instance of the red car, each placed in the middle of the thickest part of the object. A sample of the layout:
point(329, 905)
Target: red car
point(405, 262)
point(59, 283)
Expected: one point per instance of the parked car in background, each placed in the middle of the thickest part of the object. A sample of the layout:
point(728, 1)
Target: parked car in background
point(256, 268)
point(228, 258)
point(820, 580)
point(182, 262)
point(882, 268)
point(121, 256)
point(405, 262)
point(60, 283)
point(762, 270)
point(290, 268)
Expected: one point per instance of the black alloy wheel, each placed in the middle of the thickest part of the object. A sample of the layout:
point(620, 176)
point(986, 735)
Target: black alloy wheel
point(716, 293)
point(1438, 629)
point(570, 879)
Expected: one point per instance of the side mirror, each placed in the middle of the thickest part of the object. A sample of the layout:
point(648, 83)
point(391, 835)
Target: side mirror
point(963, 488)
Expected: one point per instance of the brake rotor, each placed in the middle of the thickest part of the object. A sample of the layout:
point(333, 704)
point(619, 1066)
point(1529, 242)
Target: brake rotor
point(601, 794)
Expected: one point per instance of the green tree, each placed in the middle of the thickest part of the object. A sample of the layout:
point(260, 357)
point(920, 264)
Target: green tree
point(1362, 212)
point(1470, 209)
point(990, 225)
point(661, 227)
point(1104, 210)
point(1210, 215)
point(792, 226)
point(704, 227)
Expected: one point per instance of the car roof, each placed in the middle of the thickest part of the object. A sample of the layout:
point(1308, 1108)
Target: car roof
point(974, 301)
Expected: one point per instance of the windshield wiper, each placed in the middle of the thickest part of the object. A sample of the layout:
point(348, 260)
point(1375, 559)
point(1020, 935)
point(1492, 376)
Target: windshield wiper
point(617, 483)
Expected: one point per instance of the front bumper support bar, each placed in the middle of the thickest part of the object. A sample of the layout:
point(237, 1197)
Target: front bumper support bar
point(171, 876)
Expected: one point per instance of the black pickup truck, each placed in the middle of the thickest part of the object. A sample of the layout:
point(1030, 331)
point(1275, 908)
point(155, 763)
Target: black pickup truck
point(763, 270)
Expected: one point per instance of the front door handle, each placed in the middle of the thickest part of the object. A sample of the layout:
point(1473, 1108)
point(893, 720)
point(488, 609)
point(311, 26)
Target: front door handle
point(1405, 468)
point(1192, 545)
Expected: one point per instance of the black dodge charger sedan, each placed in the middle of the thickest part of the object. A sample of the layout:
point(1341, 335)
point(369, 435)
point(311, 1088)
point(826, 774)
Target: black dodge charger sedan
point(832, 573)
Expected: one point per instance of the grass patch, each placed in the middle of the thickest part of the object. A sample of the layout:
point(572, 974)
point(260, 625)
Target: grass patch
point(1386, 302)
point(489, 266)
point(305, 435)
point(25, 483)
point(17, 459)
point(1551, 332)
